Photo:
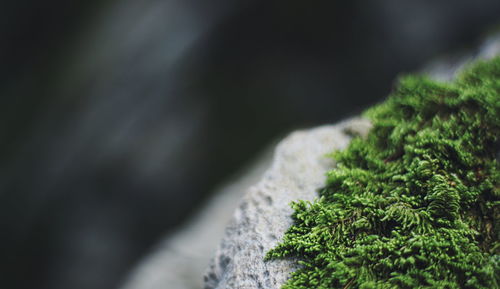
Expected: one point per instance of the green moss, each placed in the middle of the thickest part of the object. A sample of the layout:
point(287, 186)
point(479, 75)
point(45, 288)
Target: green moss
point(416, 203)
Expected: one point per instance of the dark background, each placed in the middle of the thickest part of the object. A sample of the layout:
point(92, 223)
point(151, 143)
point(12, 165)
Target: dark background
point(118, 118)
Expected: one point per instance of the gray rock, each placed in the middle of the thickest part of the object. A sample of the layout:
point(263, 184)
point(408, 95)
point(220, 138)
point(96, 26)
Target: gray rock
point(297, 171)
point(181, 259)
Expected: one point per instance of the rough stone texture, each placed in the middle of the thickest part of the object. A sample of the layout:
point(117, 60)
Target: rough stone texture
point(181, 259)
point(297, 171)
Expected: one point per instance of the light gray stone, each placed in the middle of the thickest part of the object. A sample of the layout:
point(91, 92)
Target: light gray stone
point(294, 172)
point(297, 171)
point(181, 259)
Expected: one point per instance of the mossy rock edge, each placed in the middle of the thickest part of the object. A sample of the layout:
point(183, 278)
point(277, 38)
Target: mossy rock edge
point(415, 204)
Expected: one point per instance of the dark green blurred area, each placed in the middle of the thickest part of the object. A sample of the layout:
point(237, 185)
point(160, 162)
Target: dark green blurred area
point(118, 118)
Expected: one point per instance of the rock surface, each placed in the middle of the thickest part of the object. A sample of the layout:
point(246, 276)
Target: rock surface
point(181, 259)
point(297, 171)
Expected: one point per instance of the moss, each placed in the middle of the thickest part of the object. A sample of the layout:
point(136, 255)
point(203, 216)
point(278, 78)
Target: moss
point(416, 203)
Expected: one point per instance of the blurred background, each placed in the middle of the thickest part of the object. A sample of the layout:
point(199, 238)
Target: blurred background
point(119, 117)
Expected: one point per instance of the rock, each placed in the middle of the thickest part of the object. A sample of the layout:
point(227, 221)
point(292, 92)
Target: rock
point(180, 260)
point(297, 171)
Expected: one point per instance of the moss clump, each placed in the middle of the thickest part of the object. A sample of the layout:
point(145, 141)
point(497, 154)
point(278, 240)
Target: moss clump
point(416, 203)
